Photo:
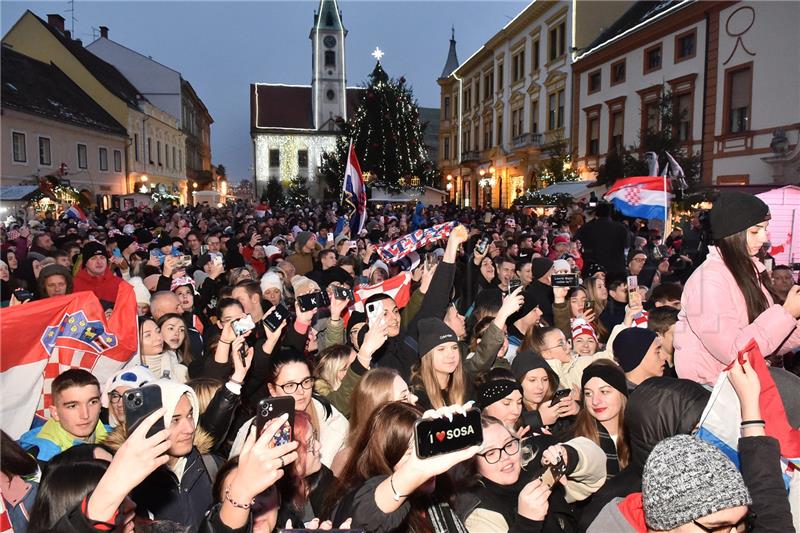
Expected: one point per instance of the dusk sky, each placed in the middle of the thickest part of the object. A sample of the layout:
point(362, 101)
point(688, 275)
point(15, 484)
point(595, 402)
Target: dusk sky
point(222, 47)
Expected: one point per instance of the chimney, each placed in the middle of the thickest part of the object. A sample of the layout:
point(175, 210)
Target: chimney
point(79, 42)
point(67, 34)
point(104, 32)
point(57, 21)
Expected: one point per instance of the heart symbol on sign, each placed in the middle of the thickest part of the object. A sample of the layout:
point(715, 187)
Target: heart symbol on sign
point(440, 436)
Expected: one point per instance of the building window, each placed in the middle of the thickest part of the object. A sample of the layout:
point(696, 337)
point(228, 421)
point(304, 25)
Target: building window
point(682, 108)
point(158, 152)
point(476, 137)
point(330, 95)
point(274, 158)
point(518, 66)
point(500, 73)
point(652, 58)
point(535, 116)
point(516, 122)
point(302, 158)
point(180, 159)
point(594, 81)
point(330, 58)
point(488, 85)
point(20, 150)
point(618, 72)
point(476, 91)
point(593, 135)
point(500, 129)
point(535, 48)
point(738, 95)
point(446, 144)
point(685, 45)
point(166, 155)
point(173, 158)
point(556, 44)
point(446, 108)
point(467, 98)
point(104, 159)
point(83, 156)
point(45, 159)
point(617, 128)
point(487, 133)
point(150, 150)
point(652, 116)
point(117, 161)
point(555, 110)
point(136, 146)
point(466, 144)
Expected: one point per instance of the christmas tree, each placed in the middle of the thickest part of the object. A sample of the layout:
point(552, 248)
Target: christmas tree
point(388, 138)
point(297, 193)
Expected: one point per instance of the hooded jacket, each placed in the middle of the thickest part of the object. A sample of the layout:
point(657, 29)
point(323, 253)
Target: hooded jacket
point(52, 439)
point(713, 325)
point(657, 409)
point(104, 287)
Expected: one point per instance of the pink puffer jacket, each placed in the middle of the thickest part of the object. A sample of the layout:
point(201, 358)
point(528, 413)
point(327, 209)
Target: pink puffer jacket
point(713, 325)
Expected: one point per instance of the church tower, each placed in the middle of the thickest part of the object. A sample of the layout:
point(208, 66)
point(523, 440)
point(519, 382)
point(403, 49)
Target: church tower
point(328, 94)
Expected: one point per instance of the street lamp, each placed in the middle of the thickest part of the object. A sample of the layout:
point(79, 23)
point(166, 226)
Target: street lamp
point(194, 185)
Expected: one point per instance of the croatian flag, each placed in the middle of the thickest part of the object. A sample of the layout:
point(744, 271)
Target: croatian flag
point(640, 197)
point(399, 248)
point(355, 193)
point(398, 287)
point(41, 339)
point(76, 212)
point(721, 420)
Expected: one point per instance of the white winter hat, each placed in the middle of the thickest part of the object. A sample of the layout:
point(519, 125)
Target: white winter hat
point(133, 377)
point(141, 292)
point(271, 280)
point(271, 251)
point(561, 265)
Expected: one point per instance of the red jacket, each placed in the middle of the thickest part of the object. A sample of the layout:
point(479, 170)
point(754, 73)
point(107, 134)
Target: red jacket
point(260, 265)
point(104, 287)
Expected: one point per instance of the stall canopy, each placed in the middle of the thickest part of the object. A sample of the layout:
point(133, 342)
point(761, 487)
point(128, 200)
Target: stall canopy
point(577, 189)
point(429, 196)
point(16, 193)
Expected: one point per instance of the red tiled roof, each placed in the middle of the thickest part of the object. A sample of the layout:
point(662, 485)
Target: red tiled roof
point(287, 106)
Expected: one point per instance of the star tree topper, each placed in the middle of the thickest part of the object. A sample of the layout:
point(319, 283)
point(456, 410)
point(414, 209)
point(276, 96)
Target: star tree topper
point(377, 53)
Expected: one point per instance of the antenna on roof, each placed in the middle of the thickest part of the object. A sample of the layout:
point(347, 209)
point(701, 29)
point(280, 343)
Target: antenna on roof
point(71, 12)
point(95, 33)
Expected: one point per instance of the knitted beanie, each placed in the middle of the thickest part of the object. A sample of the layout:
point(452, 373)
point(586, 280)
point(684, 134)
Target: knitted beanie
point(580, 327)
point(91, 249)
point(302, 238)
point(686, 478)
point(631, 345)
point(525, 361)
point(541, 266)
point(432, 333)
point(736, 211)
point(494, 391)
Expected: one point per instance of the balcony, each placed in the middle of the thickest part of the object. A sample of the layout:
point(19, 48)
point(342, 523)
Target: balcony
point(525, 140)
point(471, 156)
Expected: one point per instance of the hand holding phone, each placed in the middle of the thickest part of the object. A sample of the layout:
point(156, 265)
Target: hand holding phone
point(270, 408)
point(276, 316)
point(559, 395)
point(243, 325)
point(374, 312)
point(554, 473)
point(139, 404)
point(450, 433)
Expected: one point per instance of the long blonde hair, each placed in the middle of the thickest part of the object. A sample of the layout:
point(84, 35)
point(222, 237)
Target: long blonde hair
point(331, 361)
point(456, 390)
point(205, 389)
point(373, 390)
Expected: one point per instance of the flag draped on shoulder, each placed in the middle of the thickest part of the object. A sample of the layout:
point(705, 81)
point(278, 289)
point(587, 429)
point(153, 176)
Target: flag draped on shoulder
point(640, 196)
point(398, 287)
point(41, 339)
point(399, 248)
point(75, 212)
point(355, 193)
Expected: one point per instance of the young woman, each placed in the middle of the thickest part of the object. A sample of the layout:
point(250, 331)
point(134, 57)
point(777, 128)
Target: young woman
point(602, 420)
point(570, 304)
point(377, 387)
point(439, 378)
point(729, 300)
point(584, 338)
point(173, 332)
point(289, 374)
point(539, 384)
point(158, 358)
point(18, 486)
point(500, 396)
point(598, 293)
point(385, 487)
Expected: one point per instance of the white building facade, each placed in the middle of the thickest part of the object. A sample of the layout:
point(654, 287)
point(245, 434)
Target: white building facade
point(733, 70)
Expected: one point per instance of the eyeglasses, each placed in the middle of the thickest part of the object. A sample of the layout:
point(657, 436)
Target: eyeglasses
point(115, 397)
point(561, 344)
point(747, 523)
point(492, 456)
point(291, 387)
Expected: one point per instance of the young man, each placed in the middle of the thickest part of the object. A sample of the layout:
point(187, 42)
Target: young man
point(95, 275)
point(662, 320)
point(782, 280)
point(614, 313)
point(638, 352)
point(506, 268)
point(74, 416)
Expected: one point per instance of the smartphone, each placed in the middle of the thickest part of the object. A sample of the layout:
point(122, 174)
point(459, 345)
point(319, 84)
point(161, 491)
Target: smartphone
point(203, 248)
point(513, 285)
point(564, 280)
point(559, 395)
point(374, 312)
point(633, 290)
point(216, 258)
point(276, 317)
point(313, 300)
point(588, 304)
point(23, 295)
point(437, 436)
point(141, 403)
point(270, 408)
point(431, 260)
point(117, 253)
point(184, 261)
point(243, 325)
point(343, 293)
point(768, 262)
point(482, 246)
point(554, 473)
point(353, 245)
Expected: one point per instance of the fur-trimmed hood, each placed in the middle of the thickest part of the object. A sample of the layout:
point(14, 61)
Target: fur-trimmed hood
point(203, 440)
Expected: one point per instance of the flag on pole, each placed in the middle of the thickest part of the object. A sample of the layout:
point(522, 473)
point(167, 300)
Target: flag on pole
point(640, 196)
point(75, 212)
point(41, 339)
point(399, 248)
point(355, 193)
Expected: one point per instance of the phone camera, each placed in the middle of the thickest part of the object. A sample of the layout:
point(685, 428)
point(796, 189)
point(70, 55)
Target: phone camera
point(137, 402)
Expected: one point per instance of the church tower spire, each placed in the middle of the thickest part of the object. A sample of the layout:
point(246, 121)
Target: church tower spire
point(452, 58)
point(329, 78)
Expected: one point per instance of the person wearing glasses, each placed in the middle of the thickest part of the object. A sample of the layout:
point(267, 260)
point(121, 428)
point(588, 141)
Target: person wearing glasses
point(510, 496)
point(288, 374)
point(117, 384)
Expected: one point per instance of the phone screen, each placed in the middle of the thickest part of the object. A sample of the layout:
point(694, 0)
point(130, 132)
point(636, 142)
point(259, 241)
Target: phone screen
point(270, 408)
point(276, 317)
point(436, 436)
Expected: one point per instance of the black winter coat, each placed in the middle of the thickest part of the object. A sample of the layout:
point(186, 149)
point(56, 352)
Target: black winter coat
point(604, 242)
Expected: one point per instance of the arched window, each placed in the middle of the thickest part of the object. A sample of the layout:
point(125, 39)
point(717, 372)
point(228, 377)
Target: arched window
point(330, 58)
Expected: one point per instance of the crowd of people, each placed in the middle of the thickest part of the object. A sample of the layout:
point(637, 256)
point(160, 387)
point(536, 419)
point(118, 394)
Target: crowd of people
point(588, 341)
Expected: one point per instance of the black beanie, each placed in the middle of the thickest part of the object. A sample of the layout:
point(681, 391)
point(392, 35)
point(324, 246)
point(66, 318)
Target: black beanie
point(123, 241)
point(91, 249)
point(608, 372)
point(494, 391)
point(356, 317)
point(541, 266)
point(525, 361)
point(736, 211)
point(432, 333)
point(631, 345)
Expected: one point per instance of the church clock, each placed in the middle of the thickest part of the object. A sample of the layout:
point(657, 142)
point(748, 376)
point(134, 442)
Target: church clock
point(330, 41)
